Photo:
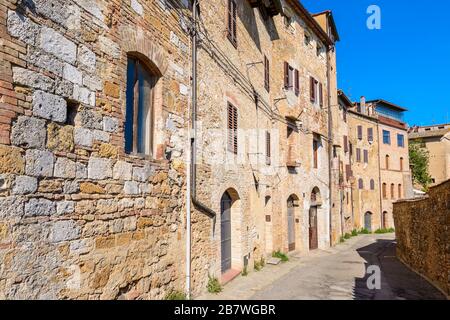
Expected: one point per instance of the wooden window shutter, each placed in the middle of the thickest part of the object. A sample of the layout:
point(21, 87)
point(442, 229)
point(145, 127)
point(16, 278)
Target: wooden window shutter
point(360, 132)
point(268, 153)
point(358, 155)
point(348, 171)
point(312, 91)
point(297, 83)
point(366, 156)
point(370, 134)
point(232, 128)
point(232, 25)
point(286, 75)
point(345, 144)
point(321, 94)
point(266, 74)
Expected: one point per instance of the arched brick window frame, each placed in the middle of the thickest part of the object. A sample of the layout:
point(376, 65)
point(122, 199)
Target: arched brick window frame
point(138, 45)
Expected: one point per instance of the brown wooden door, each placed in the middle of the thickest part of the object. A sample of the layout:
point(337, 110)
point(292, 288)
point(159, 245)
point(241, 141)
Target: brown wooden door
point(313, 238)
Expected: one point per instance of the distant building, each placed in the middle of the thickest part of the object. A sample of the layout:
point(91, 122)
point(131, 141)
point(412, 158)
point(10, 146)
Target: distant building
point(436, 139)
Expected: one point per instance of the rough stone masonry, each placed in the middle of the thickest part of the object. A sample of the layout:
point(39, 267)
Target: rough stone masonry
point(80, 218)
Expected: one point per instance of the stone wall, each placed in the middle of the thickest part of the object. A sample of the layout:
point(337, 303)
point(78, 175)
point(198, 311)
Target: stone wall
point(423, 232)
point(79, 218)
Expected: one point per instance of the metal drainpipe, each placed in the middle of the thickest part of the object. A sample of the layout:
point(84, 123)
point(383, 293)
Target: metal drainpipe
point(192, 174)
point(330, 144)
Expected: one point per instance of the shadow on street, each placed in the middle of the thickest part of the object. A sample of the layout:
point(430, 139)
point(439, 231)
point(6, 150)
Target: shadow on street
point(397, 281)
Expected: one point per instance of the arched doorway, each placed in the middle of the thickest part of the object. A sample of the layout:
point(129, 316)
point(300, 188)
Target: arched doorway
point(316, 201)
point(268, 224)
point(292, 203)
point(225, 232)
point(368, 221)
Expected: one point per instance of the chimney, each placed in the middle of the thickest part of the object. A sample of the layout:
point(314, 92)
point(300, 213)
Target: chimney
point(363, 105)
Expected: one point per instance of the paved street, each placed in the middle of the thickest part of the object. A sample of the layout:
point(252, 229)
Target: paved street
point(337, 274)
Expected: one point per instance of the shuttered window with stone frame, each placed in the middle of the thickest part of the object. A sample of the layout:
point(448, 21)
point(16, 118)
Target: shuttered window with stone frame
point(232, 123)
point(139, 119)
point(266, 74)
point(321, 94)
point(268, 146)
point(232, 22)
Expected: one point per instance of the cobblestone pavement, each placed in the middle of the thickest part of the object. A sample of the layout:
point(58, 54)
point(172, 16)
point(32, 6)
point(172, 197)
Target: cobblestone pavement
point(336, 273)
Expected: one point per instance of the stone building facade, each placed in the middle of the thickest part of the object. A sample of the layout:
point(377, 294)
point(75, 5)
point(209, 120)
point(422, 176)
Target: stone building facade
point(79, 216)
point(276, 173)
point(365, 166)
point(436, 140)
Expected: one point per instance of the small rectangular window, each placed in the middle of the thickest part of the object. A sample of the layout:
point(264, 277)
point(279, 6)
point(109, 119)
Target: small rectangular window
point(321, 94)
point(400, 140)
point(370, 134)
point(358, 155)
point(315, 153)
point(232, 129)
point(139, 108)
point(312, 89)
point(360, 132)
point(266, 74)
point(386, 137)
point(345, 144)
point(297, 83)
point(232, 22)
point(268, 153)
point(366, 156)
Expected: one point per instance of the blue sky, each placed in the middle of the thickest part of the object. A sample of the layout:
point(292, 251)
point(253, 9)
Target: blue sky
point(406, 62)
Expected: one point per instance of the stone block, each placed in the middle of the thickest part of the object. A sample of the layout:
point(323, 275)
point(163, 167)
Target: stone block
point(93, 83)
point(131, 188)
point(72, 74)
point(112, 90)
point(71, 187)
point(83, 95)
point(81, 171)
point(39, 163)
point(32, 79)
point(126, 203)
point(60, 138)
point(64, 231)
point(44, 60)
point(22, 28)
point(122, 170)
point(107, 151)
point(65, 207)
point(11, 207)
point(86, 58)
point(91, 188)
point(101, 135)
point(83, 137)
point(28, 132)
point(65, 168)
point(142, 174)
point(49, 106)
point(89, 119)
point(105, 206)
point(99, 168)
point(55, 43)
point(11, 160)
point(24, 185)
point(109, 47)
point(110, 124)
point(64, 88)
point(40, 207)
point(137, 7)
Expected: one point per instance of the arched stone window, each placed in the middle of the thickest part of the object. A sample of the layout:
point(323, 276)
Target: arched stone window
point(384, 191)
point(361, 184)
point(387, 162)
point(372, 184)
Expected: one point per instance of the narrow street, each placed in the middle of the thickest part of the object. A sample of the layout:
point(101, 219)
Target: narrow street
point(338, 274)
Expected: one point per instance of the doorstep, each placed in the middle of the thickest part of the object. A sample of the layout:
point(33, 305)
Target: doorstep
point(228, 276)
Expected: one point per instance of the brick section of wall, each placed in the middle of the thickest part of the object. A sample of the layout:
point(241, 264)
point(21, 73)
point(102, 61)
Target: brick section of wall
point(423, 233)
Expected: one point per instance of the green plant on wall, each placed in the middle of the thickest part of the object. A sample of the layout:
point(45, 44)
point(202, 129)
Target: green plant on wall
point(213, 285)
point(419, 158)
